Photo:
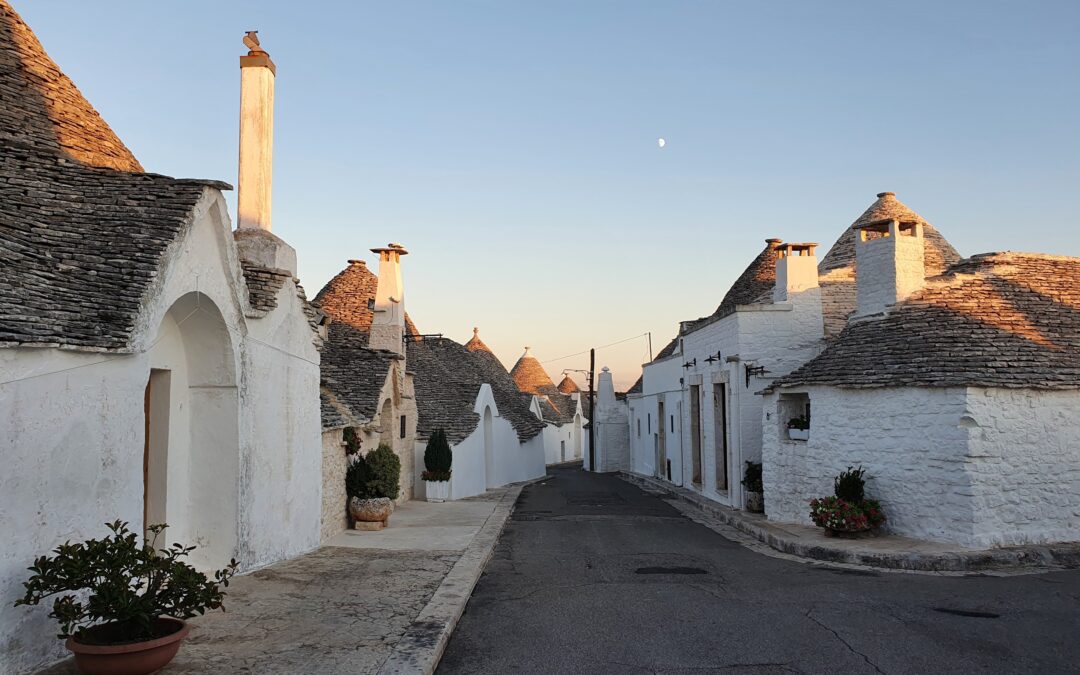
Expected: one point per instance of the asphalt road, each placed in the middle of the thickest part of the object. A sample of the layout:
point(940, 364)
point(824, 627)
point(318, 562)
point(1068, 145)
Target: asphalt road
point(593, 575)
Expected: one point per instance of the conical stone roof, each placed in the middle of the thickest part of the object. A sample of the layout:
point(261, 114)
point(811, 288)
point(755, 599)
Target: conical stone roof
point(348, 298)
point(939, 253)
point(568, 386)
point(758, 278)
point(43, 111)
point(530, 376)
point(475, 344)
point(836, 271)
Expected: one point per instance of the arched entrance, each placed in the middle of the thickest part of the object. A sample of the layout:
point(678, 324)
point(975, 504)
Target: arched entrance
point(489, 449)
point(191, 453)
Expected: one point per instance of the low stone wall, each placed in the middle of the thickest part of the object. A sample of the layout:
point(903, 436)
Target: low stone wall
point(334, 502)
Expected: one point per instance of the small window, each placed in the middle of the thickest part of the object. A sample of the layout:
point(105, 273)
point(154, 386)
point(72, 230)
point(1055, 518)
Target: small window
point(639, 428)
point(648, 423)
point(672, 424)
point(793, 411)
point(403, 426)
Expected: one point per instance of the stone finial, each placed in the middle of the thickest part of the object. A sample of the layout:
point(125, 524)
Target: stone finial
point(476, 332)
point(251, 41)
point(773, 242)
point(883, 195)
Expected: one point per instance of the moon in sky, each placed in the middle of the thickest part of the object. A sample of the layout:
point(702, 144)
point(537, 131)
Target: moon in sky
point(661, 142)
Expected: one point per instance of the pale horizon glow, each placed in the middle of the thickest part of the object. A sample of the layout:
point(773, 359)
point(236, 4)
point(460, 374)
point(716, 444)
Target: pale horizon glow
point(510, 148)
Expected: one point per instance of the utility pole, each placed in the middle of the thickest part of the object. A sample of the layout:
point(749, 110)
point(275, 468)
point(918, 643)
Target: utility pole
point(592, 411)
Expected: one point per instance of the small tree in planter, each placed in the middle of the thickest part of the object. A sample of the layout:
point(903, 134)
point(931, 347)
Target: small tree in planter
point(847, 512)
point(372, 484)
point(798, 428)
point(755, 489)
point(437, 461)
point(121, 604)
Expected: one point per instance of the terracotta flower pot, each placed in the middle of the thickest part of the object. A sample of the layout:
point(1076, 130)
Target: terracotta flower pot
point(134, 658)
point(371, 510)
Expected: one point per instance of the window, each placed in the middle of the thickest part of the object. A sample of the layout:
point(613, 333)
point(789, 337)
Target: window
point(403, 426)
point(672, 424)
point(648, 423)
point(793, 412)
point(639, 428)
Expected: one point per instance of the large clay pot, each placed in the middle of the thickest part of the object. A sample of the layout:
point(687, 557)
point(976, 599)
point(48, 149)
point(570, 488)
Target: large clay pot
point(371, 510)
point(135, 658)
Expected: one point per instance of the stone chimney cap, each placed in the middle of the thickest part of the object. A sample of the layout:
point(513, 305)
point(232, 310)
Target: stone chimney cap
point(883, 195)
point(391, 248)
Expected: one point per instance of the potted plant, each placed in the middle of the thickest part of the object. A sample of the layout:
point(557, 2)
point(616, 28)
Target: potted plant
point(848, 513)
point(798, 428)
point(437, 460)
point(372, 484)
point(755, 490)
point(121, 604)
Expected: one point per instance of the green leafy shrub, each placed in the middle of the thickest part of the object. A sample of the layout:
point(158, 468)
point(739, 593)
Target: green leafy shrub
point(437, 457)
point(374, 476)
point(352, 441)
point(122, 583)
point(752, 477)
point(798, 423)
point(850, 485)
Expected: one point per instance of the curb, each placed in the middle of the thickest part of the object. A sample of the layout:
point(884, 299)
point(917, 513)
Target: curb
point(1048, 556)
point(421, 647)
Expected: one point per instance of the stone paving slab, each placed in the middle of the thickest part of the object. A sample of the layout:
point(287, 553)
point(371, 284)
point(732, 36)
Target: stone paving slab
point(886, 551)
point(354, 607)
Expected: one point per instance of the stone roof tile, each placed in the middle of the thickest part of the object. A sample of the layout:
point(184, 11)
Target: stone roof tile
point(992, 320)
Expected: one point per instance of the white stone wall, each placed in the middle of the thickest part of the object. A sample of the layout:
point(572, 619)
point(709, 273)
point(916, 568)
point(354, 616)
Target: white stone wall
point(513, 461)
point(779, 337)
point(909, 440)
point(1023, 461)
point(334, 500)
point(245, 474)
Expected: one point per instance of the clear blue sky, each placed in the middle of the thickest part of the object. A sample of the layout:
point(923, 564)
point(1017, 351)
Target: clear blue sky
point(513, 146)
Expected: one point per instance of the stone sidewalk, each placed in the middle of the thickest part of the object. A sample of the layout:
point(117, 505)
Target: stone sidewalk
point(885, 551)
point(368, 602)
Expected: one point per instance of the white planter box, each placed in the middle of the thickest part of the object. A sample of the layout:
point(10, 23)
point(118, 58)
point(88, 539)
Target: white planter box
point(798, 434)
point(437, 490)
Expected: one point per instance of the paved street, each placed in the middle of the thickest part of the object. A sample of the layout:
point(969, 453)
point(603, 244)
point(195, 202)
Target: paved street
point(593, 575)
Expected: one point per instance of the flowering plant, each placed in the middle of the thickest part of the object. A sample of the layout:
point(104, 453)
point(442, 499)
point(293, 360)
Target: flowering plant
point(835, 513)
point(801, 423)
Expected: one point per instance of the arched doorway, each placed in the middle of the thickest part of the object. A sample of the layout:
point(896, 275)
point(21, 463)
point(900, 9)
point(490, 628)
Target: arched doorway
point(191, 454)
point(489, 450)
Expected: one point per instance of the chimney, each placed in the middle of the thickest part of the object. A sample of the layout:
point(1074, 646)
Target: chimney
point(889, 263)
point(388, 325)
point(605, 391)
point(257, 74)
point(796, 270)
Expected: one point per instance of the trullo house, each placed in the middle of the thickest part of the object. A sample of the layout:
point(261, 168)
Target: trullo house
point(155, 365)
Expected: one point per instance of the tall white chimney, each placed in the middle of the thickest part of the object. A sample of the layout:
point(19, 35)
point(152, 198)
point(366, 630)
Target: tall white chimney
point(388, 325)
point(257, 73)
point(796, 270)
point(889, 263)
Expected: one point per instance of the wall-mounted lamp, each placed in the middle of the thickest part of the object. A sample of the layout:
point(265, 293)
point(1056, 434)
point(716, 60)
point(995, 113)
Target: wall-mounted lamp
point(691, 363)
point(752, 370)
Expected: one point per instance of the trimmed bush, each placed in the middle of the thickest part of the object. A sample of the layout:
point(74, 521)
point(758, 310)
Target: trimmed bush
point(374, 476)
point(437, 457)
point(850, 486)
point(752, 477)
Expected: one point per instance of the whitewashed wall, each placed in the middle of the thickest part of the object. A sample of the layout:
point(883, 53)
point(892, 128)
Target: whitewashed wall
point(334, 518)
point(513, 461)
point(909, 440)
point(72, 431)
point(1024, 463)
point(779, 337)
